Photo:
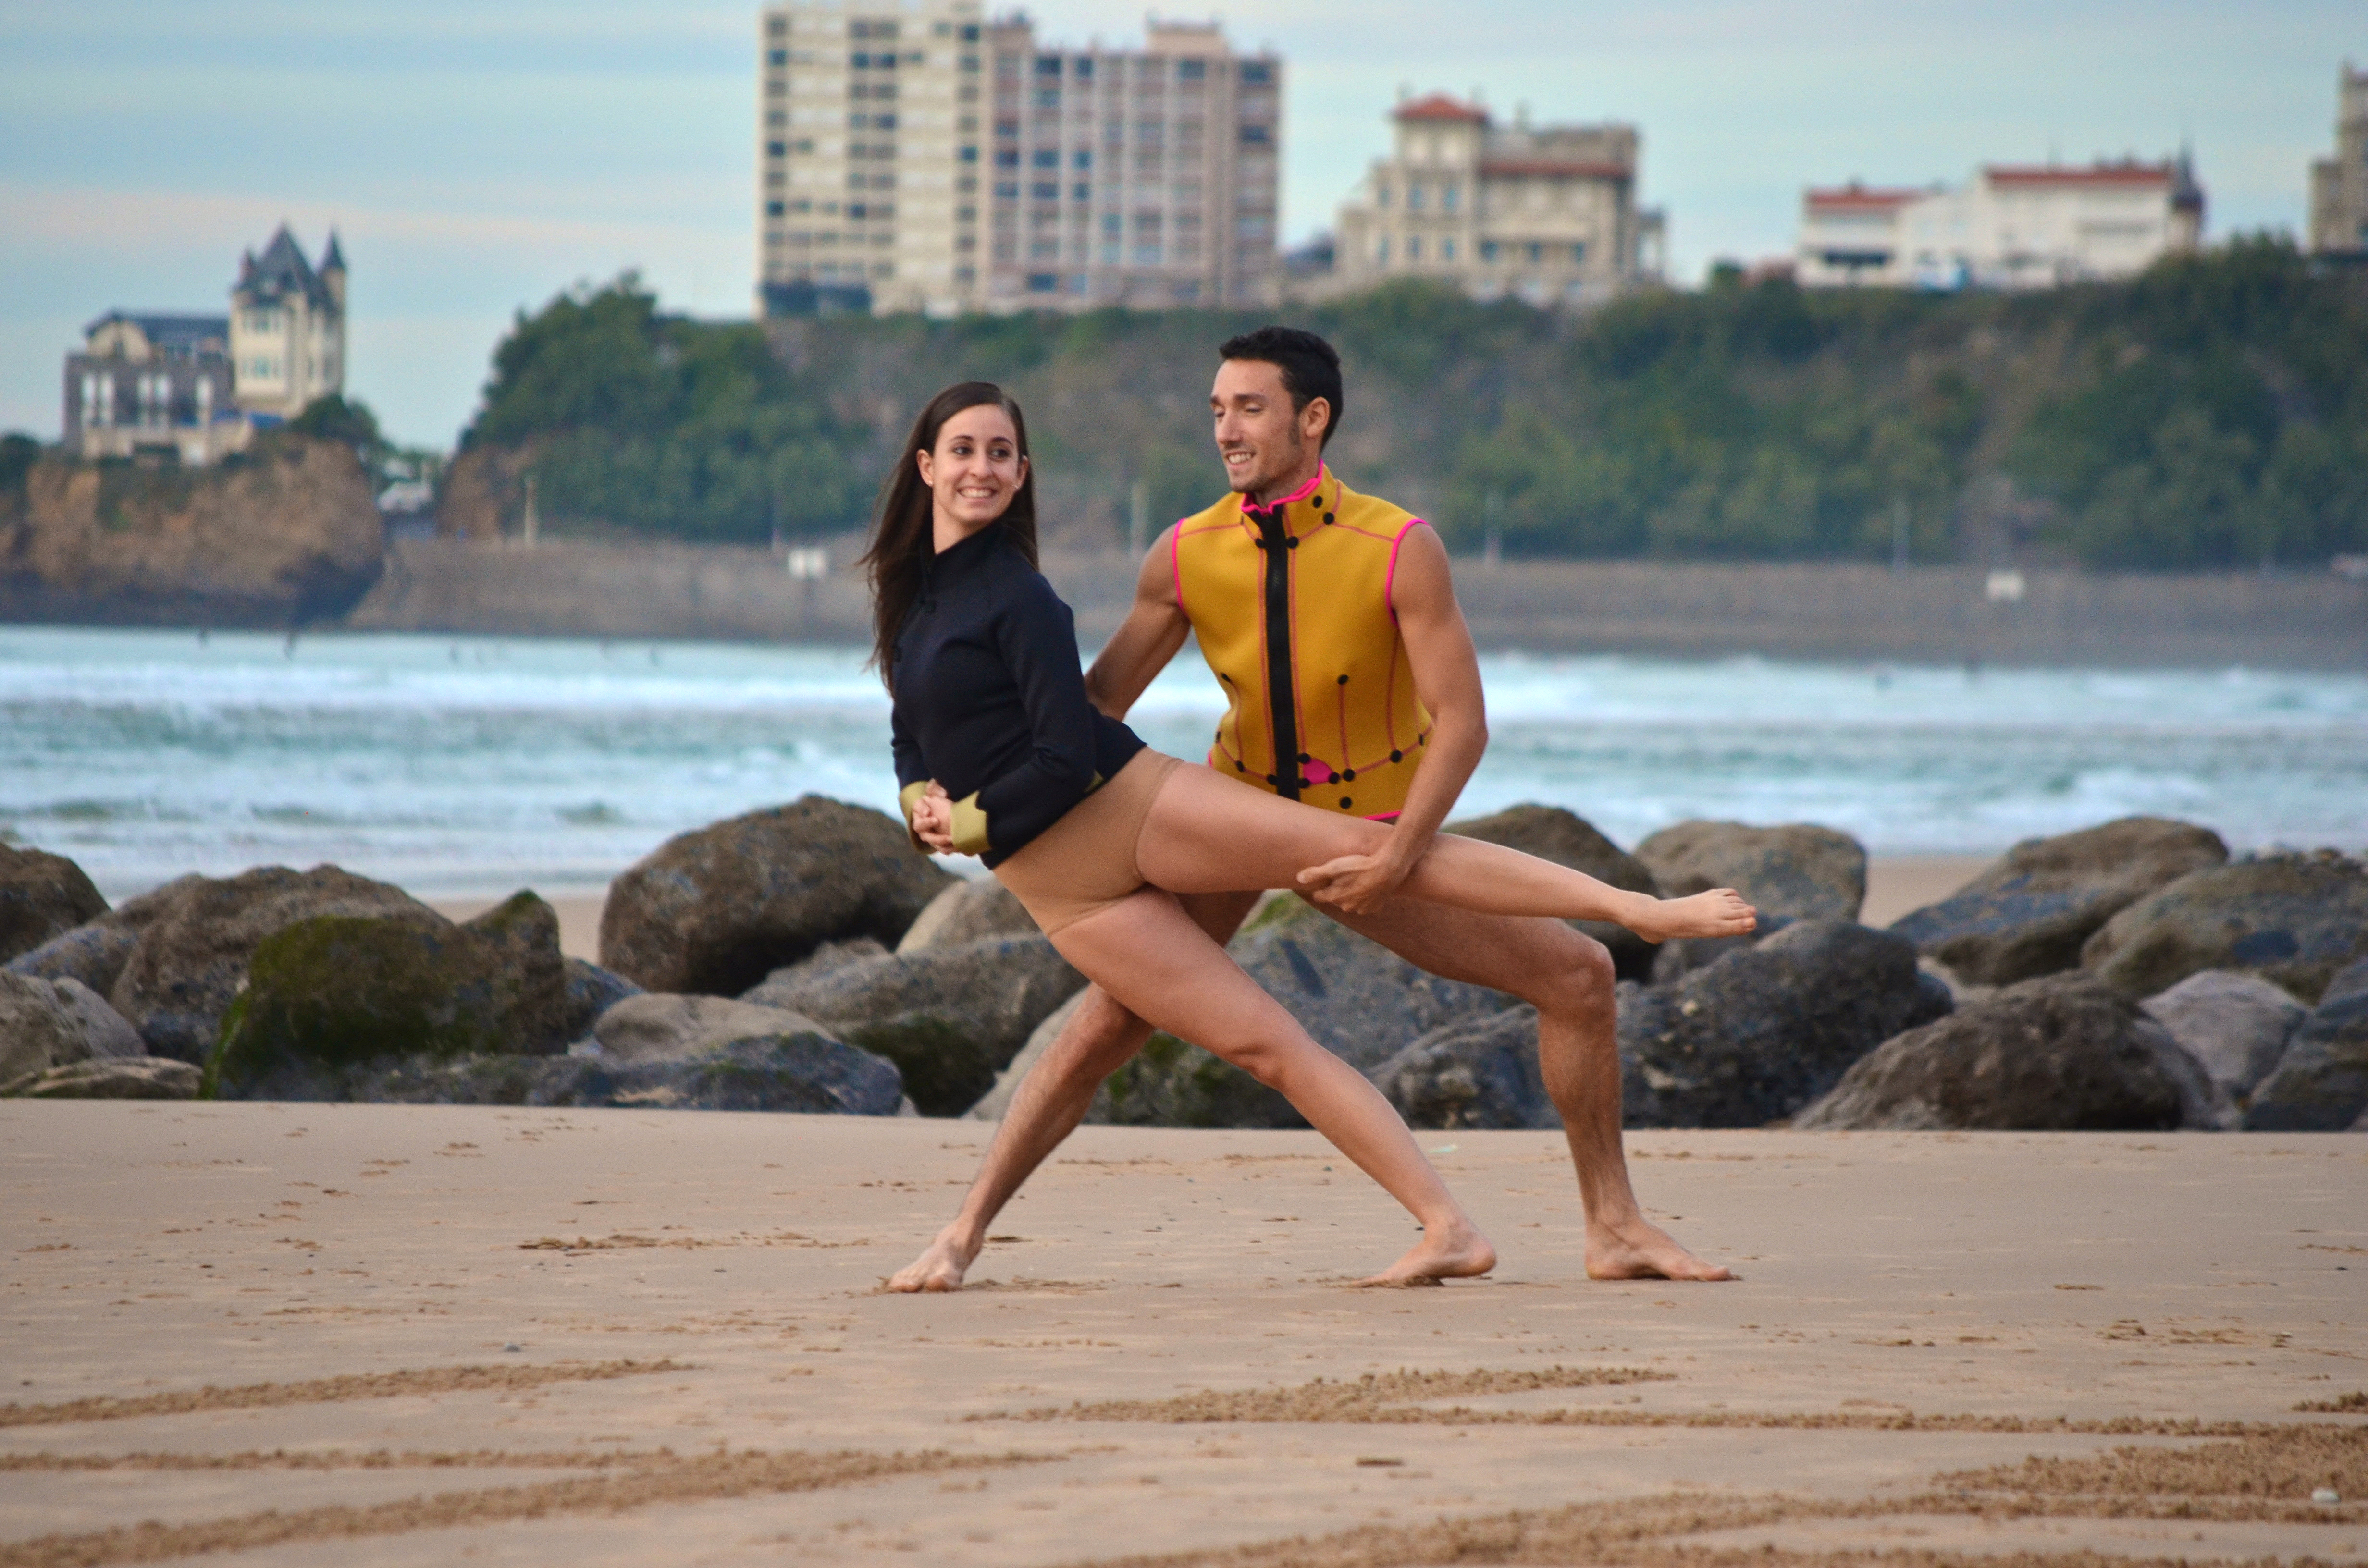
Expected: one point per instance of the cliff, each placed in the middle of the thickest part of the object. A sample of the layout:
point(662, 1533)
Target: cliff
point(285, 534)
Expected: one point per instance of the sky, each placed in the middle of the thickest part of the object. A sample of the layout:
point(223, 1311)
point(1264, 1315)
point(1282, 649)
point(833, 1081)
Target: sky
point(478, 158)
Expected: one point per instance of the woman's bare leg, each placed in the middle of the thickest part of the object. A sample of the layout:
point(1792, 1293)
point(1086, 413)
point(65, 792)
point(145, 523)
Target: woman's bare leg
point(1148, 954)
point(1208, 835)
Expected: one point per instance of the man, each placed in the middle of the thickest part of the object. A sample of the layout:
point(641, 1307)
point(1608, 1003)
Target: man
point(1331, 622)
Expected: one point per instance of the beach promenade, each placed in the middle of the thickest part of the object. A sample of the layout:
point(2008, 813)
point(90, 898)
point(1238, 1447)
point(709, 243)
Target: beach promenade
point(623, 1336)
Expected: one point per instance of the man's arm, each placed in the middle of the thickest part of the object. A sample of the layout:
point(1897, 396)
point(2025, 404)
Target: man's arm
point(1447, 679)
point(1154, 630)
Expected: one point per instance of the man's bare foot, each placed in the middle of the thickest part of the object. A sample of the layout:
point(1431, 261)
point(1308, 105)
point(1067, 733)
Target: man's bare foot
point(1639, 1249)
point(1718, 912)
point(1444, 1253)
point(940, 1265)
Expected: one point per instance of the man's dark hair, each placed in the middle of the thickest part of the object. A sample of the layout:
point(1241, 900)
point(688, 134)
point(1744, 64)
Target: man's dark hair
point(1310, 368)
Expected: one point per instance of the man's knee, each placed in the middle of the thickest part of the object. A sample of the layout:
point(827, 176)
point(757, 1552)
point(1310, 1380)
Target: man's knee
point(1579, 984)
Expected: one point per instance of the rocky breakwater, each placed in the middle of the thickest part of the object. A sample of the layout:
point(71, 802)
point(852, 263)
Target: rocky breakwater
point(808, 958)
point(284, 534)
point(2153, 984)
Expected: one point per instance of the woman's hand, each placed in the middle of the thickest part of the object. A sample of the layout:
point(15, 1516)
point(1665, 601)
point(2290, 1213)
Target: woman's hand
point(1357, 883)
point(933, 819)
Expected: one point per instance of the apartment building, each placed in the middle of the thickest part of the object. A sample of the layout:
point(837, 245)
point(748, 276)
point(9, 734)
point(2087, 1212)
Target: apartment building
point(913, 157)
point(1544, 213)
point(1147, 178)
point(2338, 186)
point(192, 387)
point(868, 126)
point(2012, 226)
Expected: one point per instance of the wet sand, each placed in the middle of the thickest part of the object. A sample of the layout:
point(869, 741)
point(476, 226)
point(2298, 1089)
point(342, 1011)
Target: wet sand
point(1895, 884)
point(645, 1338)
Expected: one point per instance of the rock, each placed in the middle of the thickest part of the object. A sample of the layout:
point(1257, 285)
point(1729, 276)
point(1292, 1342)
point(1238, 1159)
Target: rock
point(2060, 1053)
point(2320, 1084)
point(654, 1025)
point(2291, 919)
point(716, 910)
point(41, 897)
point(287, 533)
point(1552, 833)
point(94, 954)
point(2030, 911)
point(950, 1017)
point(830, 956)
point(37, 1030)
point(1765, 1030)
point(591, 991)
point(991, 1106)
point(1680, 956)
point(801, 1069)
point(332, 995)
point(109, 1078)
point(970, 911)
point(1801, 870)
point(1478, 1074)
point(2236, 1026)
point(200, 932)
point(106, 1034)
point(1358, 1000)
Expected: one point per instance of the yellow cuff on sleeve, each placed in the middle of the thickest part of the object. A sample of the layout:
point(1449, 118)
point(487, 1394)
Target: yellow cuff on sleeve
point(909, 798)
point(970, 825)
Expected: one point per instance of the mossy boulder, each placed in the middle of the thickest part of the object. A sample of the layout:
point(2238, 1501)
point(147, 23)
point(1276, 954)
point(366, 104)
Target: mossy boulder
point(1798, 870)
point(2291, 919)
point(328, 996)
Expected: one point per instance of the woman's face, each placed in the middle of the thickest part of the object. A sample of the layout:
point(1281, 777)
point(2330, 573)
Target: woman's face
point(976, 467)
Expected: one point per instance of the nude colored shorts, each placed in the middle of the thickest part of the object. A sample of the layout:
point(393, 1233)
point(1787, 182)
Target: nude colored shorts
point(1087, 862)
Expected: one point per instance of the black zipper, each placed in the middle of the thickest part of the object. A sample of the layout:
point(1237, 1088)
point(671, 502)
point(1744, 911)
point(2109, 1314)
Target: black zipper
point(1274, 537)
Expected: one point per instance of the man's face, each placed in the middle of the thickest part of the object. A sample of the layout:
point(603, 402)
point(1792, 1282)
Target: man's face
point(1260, 437)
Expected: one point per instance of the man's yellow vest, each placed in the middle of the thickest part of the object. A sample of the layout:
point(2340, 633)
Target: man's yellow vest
point(1291, 608)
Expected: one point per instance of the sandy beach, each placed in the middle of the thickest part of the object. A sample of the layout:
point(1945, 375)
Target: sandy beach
point(1895, 884)
point(522, 1336)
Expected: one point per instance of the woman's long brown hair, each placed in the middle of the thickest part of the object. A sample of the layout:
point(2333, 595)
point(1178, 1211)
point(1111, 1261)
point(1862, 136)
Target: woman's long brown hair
point(902, 544)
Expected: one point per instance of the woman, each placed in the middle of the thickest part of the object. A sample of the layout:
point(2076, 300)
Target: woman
point(998, 749)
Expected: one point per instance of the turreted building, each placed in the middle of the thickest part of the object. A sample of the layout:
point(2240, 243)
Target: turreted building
point(192, 387)
point(2338, 186)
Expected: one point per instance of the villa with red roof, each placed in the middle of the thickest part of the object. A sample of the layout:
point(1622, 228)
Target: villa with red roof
point(1545, 213)
point(2012, 226)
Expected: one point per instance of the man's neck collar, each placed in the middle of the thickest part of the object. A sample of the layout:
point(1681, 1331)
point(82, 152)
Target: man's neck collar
point(1252, 503)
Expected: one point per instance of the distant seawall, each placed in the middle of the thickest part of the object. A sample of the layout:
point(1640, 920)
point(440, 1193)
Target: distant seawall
point(1925, 614)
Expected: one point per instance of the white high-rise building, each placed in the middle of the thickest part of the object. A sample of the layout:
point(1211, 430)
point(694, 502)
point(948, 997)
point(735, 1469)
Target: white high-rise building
point(913, 158)
point(2010, 227)
point(868, 155)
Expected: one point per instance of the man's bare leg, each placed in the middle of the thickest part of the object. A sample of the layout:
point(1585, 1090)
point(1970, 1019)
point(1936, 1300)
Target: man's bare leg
point(1101, 1037)
point(1567, 976)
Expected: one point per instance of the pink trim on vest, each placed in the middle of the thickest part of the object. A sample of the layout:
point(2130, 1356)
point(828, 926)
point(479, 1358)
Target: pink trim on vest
point(1390, 583)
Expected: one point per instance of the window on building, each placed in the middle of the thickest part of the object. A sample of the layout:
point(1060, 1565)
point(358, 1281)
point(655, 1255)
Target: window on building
point(1045, 158)
point(774, 208)
point(1579, 251)
point(1146, 256)
point(1045, 190)
point(1258, 135)
point(1043, 282)
point(777, 57)
point(1447, 250)
point(777, 149)
point(1081, 159)
point(1048, 65)
point(970, 32)
point(1256, 71)
point(1381, 193)
point(1112, 223)
point(1382, 249)
point(1414, 248)
point(1450, 196)
point(1081, 191)
point(1008, 189)
point(1006, 158)
point(1046, 97)
point(777, 27)
point(1414, 199)
point(1191, 70)
point(1488, 249)
point(1082, 68)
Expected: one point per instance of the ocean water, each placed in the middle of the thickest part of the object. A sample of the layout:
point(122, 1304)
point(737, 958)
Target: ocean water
point(474, 766)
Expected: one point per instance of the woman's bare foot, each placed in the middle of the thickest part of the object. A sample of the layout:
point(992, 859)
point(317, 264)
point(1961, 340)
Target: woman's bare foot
point(1718, 912)
point(1445, 1252)
point(1638, 1249)
point(940, 1265)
